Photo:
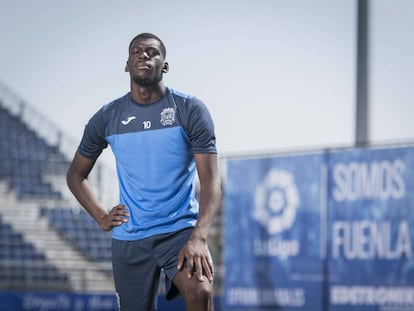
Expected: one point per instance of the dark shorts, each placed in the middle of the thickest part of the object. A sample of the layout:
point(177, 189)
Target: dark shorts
point(137, 266)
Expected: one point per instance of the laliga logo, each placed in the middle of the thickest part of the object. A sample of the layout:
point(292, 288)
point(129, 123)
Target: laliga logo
point(276, 201)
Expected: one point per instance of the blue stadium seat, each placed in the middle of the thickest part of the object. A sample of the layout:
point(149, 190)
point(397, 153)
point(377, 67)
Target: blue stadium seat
point(82, 231)
point(22, 266)
point(23, 158)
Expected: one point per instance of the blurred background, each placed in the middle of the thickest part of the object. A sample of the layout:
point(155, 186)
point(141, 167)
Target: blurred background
point(278, 76)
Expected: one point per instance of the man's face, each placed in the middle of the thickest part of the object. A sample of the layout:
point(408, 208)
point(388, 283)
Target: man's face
point(146, 63)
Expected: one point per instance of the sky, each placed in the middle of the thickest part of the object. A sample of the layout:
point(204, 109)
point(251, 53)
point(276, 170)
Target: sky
point(276, 75)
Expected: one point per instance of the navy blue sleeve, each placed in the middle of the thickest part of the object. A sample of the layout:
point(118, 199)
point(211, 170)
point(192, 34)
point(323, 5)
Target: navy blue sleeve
point(201, 128)
point(93, 141)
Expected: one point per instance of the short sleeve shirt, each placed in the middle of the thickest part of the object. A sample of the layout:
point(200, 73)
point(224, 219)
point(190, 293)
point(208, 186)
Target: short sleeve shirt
point(154, 147)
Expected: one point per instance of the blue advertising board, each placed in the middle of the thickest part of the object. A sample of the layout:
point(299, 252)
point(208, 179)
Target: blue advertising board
point(56, 301)
point(68, 301)
point(274, 233)
point(370, 226)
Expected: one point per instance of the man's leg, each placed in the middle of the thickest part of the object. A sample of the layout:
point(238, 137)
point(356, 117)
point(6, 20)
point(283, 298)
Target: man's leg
point(136, 275)
point(197, 295)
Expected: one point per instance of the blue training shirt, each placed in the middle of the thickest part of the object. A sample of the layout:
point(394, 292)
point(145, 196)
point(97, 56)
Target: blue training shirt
point(154, 147)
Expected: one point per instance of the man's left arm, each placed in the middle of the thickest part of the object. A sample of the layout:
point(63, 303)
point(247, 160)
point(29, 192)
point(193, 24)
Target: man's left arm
point(195, 251)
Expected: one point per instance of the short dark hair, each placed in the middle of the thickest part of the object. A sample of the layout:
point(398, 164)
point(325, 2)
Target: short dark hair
point(147, 35)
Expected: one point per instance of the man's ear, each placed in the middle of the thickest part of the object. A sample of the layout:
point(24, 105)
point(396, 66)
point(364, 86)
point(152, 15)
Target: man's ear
point(165, 68)
point(126, 67)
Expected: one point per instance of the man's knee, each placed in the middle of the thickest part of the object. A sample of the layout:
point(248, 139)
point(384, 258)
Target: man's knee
point(199, 291)
point(204, 290)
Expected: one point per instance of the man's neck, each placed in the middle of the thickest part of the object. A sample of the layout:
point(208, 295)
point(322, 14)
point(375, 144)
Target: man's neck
point(145, 94)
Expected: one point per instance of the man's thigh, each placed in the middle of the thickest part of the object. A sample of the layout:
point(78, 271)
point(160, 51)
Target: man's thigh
point(136, 275)
point(167, 250)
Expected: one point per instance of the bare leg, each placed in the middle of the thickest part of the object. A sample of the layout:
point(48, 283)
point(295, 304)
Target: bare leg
point(198, 296)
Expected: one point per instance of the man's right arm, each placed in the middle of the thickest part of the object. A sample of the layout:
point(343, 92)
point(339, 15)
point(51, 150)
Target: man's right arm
point(77, 180)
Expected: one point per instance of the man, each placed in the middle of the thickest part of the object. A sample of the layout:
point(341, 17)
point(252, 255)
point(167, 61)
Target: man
point(160, 139)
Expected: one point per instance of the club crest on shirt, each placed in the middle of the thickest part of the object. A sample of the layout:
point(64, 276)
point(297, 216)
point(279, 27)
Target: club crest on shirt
point(167, 116)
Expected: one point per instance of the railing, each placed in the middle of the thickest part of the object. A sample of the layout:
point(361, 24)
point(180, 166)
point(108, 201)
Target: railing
point(102, 177)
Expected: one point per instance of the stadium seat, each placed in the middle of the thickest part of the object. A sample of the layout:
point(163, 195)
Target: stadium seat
point(82, 231)
point(24, 158)
point(22, 266)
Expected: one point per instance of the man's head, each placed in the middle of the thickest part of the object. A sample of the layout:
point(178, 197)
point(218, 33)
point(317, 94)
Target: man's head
point(146, 61)
point(147, 35)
